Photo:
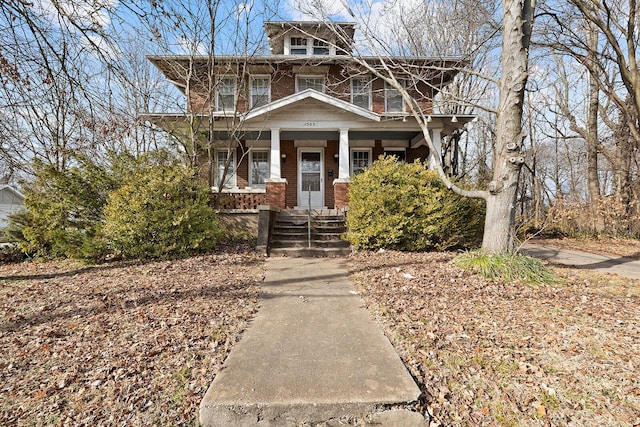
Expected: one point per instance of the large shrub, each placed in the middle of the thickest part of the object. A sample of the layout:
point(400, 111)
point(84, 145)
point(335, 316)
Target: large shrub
point(404, 206)
point(160, 210)
point(64, 209)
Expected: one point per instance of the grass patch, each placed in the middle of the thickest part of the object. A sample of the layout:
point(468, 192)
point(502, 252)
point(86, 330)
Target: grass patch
point(507, 266)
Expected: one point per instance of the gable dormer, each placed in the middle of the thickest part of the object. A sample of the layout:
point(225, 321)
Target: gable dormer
point(310, 38)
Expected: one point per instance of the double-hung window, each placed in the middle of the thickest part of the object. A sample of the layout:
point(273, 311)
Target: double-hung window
point(310, 82)
point(226, 94)
point(360, 160)
point(222, 156)
point(258, 168)
point(260, 91)
point(393, 101)
point(361, 92)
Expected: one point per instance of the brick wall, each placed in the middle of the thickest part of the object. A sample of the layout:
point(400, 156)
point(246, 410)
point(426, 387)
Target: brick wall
point(276, 194)
point(289, 170)
point(341, 190)
point(283, 83)
point(330, 162)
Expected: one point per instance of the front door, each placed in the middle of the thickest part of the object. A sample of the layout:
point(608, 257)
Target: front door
point(310, 179)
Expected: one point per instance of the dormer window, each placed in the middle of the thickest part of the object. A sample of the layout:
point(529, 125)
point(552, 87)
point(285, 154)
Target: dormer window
point(298, 46)
point(307, 46)
point(320, 47)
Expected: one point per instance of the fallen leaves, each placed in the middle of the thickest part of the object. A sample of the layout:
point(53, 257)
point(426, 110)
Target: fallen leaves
point(493, 353)
point(127, 344)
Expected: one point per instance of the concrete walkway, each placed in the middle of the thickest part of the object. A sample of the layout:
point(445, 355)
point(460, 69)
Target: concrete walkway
point(627, 267)
point(312, 354)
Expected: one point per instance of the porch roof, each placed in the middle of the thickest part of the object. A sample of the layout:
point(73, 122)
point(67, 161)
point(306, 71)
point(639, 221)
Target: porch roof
point(311, 94)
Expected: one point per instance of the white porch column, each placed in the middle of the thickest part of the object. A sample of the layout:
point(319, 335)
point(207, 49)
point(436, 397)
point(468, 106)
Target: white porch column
point(275, 154)
point(436, 138)
point(343, 152)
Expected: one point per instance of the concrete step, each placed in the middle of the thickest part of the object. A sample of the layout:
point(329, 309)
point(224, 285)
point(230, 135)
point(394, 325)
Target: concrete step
point(291, 234)
point(304, 243)
point(278, 236)
point(304, 252)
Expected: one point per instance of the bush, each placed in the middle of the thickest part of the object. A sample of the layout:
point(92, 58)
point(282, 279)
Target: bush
point(160, 211)
point(63, 211)
point(404, 206)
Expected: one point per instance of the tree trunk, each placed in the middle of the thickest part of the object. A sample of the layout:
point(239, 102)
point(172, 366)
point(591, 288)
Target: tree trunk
point(501, 203)
point(592, 121)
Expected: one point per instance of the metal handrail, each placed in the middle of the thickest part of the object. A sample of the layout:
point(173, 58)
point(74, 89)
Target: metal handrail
point(309, 216)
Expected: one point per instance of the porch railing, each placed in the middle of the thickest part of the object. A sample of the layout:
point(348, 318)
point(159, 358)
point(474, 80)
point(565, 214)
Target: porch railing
point(239, 199)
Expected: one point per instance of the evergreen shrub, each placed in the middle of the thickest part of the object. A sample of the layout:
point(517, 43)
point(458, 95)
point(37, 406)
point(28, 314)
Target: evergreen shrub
point(404, 206)
point(160, 211)
point(64, 209)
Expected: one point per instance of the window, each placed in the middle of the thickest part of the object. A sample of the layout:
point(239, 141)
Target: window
point(393, 100)
point(298, 46)
point(310, 82)
point(226, 94)
point(260, 91)
point(320, 47)
point(259, 168)
point(360, 159)
point(361, 92)
point(308, 46)
point(221, 161)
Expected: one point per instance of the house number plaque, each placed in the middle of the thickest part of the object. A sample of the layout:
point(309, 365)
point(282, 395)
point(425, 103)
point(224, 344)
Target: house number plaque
point(309, 124)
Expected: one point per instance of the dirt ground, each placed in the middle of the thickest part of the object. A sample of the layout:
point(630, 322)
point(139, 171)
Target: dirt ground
point(138, 344)
point(509, 354)
point(119, 344)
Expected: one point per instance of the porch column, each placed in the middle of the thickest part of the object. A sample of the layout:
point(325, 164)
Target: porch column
point(275, 154)
point(343, 152)
point(437, 143)
point(341, 185)
point(275, 186)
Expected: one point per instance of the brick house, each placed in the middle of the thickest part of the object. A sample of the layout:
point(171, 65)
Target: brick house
point(301, 121)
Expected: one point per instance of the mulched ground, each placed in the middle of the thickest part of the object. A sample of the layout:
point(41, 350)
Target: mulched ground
point(495, 353)
point(119, 344)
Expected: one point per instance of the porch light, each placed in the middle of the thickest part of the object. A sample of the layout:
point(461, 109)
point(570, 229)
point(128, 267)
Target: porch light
point(284, 157)
point(337, 157)
point(429, 119)
point(454, 119)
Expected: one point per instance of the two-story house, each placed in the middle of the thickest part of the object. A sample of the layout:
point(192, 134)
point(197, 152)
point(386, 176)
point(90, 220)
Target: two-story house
point(304, 119)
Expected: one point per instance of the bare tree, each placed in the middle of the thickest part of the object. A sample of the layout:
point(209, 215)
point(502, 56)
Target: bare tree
point(500, 196)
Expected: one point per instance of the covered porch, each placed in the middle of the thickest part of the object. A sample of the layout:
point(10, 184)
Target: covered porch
point(301, 151)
